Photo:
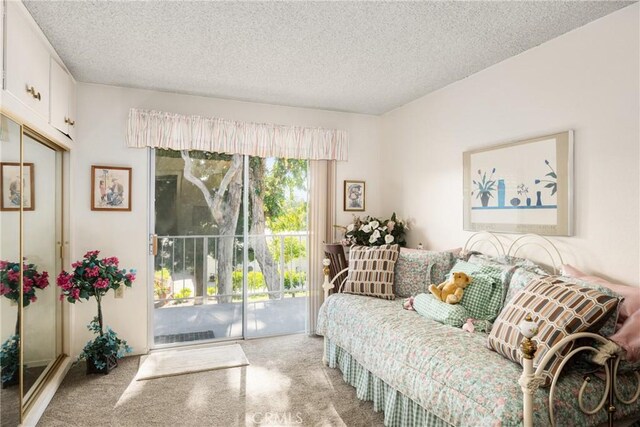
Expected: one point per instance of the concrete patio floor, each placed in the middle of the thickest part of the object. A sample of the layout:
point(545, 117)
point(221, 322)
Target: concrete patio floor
point(264, 318)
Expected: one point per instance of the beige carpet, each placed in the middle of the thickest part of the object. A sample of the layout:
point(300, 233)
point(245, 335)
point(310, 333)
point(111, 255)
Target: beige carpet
point(183, 361)
point(285, 385)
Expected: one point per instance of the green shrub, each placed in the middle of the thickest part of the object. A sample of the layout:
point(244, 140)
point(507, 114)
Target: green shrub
point(183, 293)
point(294, 279)
point(256, 281)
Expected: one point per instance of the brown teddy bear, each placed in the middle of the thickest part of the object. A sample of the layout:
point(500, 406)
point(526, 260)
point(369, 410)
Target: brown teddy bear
point(452, 290)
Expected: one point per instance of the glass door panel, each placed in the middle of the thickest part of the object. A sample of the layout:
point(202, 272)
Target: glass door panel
point(277, 264)
point(198, 265)
point(207, 283)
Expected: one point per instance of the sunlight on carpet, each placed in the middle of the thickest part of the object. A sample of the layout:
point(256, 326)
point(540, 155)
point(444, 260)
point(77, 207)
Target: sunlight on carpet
point(186, 361)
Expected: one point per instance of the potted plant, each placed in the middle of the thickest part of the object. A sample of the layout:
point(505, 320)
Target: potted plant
point(32, 280)
point(486, 187)
point(93, 277)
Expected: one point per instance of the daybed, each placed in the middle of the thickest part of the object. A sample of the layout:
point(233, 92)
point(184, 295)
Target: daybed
point(424, 373)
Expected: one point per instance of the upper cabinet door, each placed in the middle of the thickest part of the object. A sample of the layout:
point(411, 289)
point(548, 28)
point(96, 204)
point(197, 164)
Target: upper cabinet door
point(27, 63)
point(71, 110)
point(60, 85)
point(63, 100)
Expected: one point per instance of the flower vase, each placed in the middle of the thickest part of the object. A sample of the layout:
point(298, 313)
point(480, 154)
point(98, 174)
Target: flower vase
point(484, 199)
point(111, 362)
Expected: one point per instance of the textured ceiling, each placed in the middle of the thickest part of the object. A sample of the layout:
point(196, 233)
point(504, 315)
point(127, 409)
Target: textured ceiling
point(366, 57)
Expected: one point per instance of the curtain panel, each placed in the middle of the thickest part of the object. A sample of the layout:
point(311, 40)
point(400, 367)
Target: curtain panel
point(158, 129)
point(322, 216)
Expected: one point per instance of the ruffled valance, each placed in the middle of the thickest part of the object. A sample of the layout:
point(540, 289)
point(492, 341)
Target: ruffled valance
point(179, 132)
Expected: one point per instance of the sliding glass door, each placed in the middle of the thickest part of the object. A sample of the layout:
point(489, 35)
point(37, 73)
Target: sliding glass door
point(230, 243)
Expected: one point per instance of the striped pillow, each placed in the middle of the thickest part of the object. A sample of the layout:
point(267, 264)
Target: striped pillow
point(559, 309)
point(371, 270)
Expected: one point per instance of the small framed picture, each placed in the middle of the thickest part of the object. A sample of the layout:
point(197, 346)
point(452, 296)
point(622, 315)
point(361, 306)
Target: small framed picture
point(354, 195)
point(11, 192)
point(110, 188)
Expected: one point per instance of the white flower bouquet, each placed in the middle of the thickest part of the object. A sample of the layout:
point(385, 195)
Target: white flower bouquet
point(370, 231)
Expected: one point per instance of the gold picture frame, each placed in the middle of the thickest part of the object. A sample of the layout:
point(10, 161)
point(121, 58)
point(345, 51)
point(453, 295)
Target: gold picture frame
point(354, 197)
point(110, 188)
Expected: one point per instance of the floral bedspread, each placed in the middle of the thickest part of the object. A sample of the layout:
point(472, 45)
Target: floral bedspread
point(449, 372)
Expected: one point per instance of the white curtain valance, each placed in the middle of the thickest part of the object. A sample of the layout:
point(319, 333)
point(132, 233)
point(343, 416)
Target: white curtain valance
point(179, 132)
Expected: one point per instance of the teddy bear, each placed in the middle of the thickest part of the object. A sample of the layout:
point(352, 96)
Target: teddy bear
point(452, 290)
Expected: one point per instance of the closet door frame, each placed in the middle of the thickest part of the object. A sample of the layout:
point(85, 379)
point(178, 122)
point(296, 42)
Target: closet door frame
point(27, 402)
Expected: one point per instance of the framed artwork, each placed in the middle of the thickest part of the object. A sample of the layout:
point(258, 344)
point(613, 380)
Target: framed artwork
point(11, 192)
point(354, 195)
point(521, 187)
point(110, 188)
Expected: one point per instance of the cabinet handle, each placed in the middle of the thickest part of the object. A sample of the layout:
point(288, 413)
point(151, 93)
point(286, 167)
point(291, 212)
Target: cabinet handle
point(32, 90)
point(69, 121)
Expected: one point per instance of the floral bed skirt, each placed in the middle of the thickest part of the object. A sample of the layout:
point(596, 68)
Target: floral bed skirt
point(398, 409)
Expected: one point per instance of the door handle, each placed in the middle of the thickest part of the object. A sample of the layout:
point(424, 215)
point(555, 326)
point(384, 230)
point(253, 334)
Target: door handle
point(34, 93)
point(154, 244)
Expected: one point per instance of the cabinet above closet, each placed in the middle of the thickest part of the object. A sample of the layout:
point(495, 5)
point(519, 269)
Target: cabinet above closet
point(63, 100)
point(36, 86)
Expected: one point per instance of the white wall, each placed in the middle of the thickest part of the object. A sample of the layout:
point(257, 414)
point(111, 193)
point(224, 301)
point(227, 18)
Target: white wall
point(586, 80)
point(101, 126)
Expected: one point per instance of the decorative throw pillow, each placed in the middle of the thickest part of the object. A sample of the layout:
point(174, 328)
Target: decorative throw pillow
point(412, 272)
point(559, 309)
point(441, 263)
point(448, 314)
point(520, 278)
point(631, 294)
point(371, 270)
point(483, 297)
point(506, 271)
point(416, 269)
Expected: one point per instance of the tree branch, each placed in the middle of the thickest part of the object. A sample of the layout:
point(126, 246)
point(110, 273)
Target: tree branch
point(215, 201)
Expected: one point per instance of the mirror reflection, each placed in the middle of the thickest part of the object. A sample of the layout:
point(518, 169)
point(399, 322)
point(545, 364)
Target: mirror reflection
point(9, 278)
point(41, 241)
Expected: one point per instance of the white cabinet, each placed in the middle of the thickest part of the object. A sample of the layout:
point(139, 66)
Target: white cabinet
point(63, 102)
point(27, 61)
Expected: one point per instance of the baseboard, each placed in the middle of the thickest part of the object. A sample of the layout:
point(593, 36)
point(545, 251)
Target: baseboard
point(36, 410)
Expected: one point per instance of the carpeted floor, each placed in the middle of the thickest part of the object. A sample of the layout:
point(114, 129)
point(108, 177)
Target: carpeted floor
point(285, 385)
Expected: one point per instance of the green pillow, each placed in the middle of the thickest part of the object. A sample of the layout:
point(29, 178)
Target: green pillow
point(483, 297)
point(431, 308)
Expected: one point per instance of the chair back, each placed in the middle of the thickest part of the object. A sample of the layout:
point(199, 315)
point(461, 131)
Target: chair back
point(335, 253)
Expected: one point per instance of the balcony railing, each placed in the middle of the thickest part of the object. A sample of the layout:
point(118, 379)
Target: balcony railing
point(186, 269)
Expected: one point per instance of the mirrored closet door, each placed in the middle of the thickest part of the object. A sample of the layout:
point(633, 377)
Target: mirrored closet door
point(10, 136)
point(41, 237)
point(31, 221)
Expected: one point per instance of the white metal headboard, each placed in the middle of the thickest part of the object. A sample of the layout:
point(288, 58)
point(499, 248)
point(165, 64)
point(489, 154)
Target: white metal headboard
point(484, 237)
point(541, 242)
point(493, 240)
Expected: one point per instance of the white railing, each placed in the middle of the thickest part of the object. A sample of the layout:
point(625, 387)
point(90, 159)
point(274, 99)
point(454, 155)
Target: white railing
point(190, 262)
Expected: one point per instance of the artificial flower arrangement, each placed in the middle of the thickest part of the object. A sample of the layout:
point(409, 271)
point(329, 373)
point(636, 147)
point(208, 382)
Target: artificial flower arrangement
point(32, 280)
point(93, 277)
point(370, 231)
